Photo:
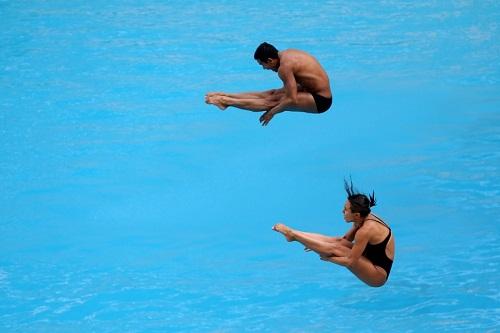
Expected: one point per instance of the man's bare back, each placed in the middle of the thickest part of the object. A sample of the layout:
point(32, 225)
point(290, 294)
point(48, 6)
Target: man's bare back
point(306, 86)
point(308, 73)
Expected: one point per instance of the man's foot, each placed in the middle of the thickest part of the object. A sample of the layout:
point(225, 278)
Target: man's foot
point(216, 100)
point(286, 231)
point(210, 94)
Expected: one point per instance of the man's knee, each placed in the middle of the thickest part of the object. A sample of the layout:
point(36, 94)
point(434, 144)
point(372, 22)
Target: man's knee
point(268, 94)
point(270, 103)
point(273, 99)
point(275, 92)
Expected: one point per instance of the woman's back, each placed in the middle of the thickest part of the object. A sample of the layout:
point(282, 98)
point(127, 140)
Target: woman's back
point(380, 247)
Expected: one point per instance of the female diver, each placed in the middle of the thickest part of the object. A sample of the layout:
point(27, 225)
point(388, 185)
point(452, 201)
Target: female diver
point(367, 249)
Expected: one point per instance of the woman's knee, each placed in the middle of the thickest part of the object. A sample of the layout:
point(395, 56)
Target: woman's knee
point(333, 250)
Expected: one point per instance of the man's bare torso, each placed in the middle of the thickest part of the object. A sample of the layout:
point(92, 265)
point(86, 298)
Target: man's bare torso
point(308, 73)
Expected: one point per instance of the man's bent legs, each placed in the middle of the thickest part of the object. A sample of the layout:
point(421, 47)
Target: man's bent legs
point(250, 104)
point(262, 101)
point(273, 93)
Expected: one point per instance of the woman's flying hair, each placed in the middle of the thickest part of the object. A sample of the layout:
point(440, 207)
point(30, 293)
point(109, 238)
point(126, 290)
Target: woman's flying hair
point(360, 203)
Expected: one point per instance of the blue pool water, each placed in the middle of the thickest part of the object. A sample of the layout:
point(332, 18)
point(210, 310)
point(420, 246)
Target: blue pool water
point(129, 205)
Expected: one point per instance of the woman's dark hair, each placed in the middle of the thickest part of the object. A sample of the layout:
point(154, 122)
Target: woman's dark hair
point(360, 203)
point(265, 51)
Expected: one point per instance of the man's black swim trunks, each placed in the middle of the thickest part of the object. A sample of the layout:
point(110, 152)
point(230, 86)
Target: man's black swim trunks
point(322, 103)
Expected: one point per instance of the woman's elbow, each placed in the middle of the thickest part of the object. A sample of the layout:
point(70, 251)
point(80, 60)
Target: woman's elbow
point(350, 262)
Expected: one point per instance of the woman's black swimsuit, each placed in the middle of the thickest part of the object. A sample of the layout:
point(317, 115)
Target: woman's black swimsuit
point(322, 103)
point(376, 252)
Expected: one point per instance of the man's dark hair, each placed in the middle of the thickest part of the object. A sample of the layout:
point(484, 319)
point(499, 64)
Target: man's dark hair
point(265, 51)
point(360, 203)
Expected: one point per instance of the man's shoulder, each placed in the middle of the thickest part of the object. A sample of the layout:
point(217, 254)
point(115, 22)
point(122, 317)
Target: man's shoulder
point(292, 52)
point(290, 58)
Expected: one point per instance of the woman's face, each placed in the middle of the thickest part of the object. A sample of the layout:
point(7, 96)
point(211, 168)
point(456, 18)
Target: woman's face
point(348, 215)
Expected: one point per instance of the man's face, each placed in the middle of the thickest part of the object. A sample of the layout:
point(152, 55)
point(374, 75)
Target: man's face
point(269, 64)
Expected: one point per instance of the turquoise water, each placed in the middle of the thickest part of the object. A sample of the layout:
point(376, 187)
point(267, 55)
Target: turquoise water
point(129, 205)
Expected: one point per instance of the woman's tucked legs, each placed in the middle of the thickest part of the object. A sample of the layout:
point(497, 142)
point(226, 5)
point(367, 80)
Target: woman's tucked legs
point(323, 245)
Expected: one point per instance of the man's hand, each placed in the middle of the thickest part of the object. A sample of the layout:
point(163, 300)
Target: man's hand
point(266, 117)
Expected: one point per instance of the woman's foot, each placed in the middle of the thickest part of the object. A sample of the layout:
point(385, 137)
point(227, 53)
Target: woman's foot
point(286, 231)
